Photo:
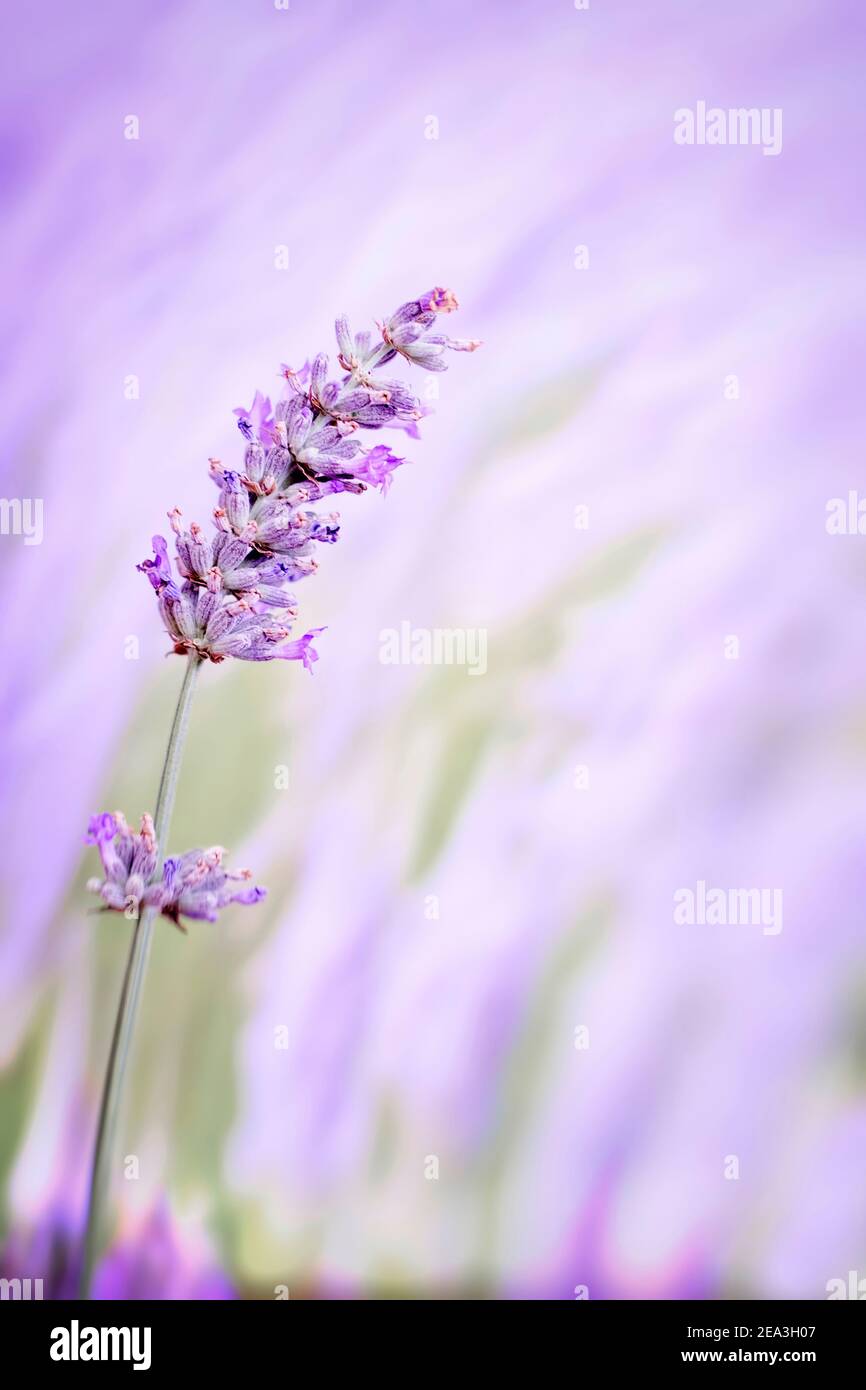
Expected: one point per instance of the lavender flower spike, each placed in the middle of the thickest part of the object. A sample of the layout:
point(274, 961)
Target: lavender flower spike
point(195, 885)
point(234, 598)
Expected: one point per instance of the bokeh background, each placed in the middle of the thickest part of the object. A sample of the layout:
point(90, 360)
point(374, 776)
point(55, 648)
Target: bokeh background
point(469, 939)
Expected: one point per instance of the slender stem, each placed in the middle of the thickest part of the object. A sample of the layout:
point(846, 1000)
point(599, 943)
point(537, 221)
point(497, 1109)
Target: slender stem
point(136, 967)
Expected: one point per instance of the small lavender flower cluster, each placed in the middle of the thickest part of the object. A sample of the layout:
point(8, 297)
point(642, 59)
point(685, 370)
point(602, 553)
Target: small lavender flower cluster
point(234, 599)
point(193, 885)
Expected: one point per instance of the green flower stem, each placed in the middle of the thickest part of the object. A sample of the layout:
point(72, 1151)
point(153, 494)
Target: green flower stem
point(130, 998)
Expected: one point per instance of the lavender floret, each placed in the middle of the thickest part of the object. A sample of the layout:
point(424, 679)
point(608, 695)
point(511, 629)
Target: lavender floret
point(193, 885)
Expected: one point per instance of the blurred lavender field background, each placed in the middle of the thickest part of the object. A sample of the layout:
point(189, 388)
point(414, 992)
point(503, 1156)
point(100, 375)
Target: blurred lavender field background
point(464, 1046)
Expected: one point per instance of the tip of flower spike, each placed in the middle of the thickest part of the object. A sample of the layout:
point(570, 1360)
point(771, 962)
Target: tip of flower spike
point(439, 301)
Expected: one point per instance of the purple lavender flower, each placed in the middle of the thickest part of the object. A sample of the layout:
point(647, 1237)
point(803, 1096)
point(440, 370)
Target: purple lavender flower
point(234, 598)
point(223, 607)
point(378, 467)
point(407, 331)
point(194, 885)
point(256, 423)
point(128, 862)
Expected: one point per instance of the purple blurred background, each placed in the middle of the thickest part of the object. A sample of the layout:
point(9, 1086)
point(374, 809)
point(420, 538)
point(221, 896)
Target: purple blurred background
point(465, 1045)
